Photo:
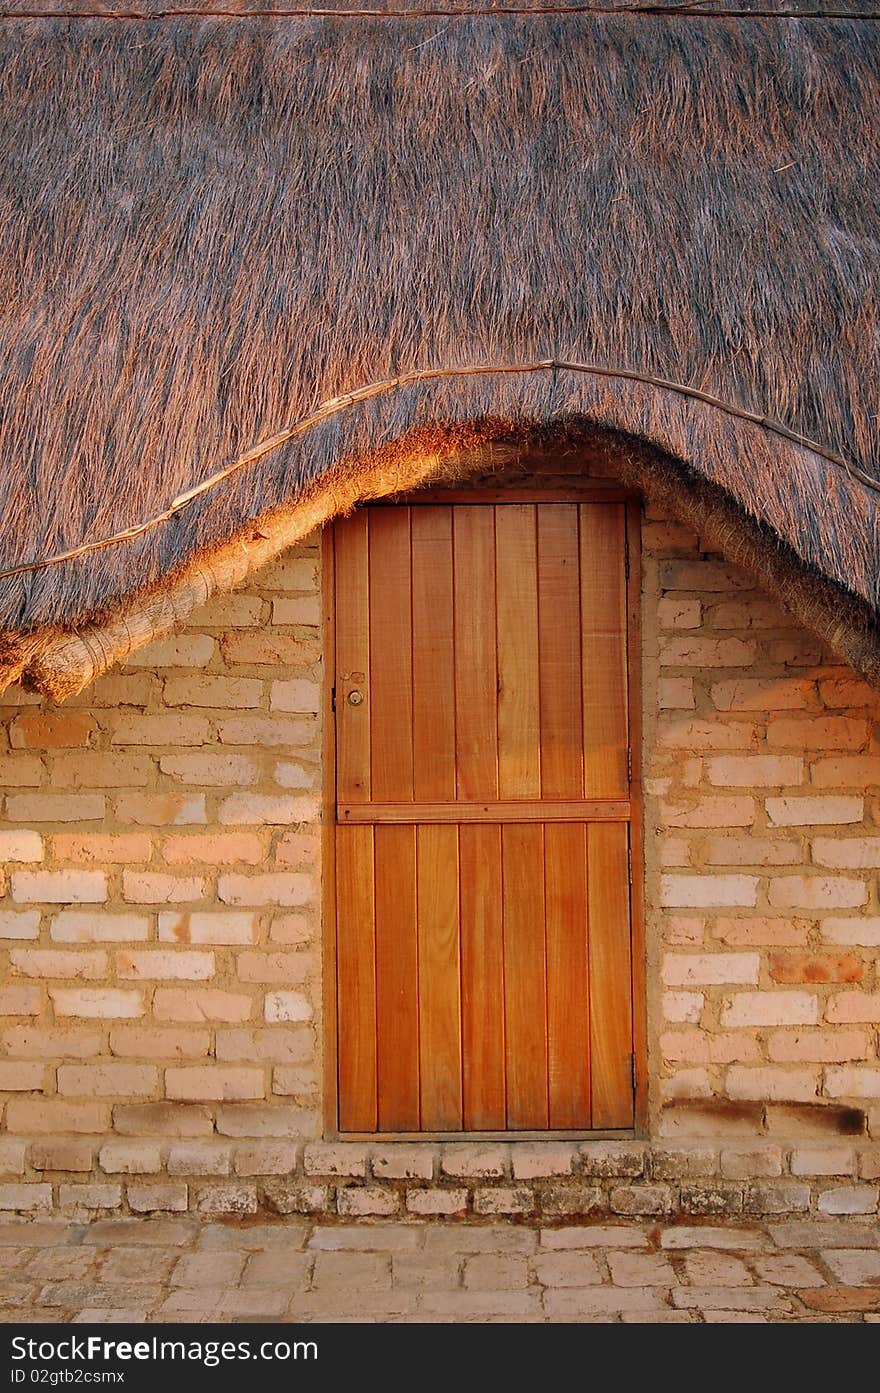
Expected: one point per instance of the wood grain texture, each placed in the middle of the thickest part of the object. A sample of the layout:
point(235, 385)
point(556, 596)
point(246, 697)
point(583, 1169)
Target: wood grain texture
point(603, 618)
point(352, 569)
point(433, 656)
point(559, 627)
point(397, 979)
point(568, 995)
point(482, 979)
point(356, 979)
point(476, 660)
point(519, 723)
point(391, 695)
point(610, 976)
point(525, 975)
point(439, 979)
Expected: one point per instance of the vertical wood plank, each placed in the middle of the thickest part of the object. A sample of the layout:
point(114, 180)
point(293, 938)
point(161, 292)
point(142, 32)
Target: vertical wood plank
point(390, 700)
point(610, 975)
point(603, 617)
point(352, 657)
point(525, 978)
point(356, 979)
point(568, 998)
point(439, 979)
point(482, 978)
point(476, 663)
point(433, 658)
point(519, 725)
point(397, 980)
point(559, 627)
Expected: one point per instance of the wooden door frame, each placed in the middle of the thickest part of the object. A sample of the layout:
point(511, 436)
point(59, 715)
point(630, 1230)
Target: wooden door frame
point(578, 492)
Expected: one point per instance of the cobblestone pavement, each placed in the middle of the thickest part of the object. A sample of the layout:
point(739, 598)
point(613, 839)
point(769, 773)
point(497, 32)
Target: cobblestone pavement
point(181, 1269)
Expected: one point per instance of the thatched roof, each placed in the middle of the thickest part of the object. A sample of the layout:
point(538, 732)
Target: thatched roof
point(208, 226)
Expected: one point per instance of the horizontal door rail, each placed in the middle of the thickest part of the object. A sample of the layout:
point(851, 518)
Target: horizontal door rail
point(510, 810)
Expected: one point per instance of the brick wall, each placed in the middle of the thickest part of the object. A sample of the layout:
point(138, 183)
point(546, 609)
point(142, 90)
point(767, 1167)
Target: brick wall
point(160, 996)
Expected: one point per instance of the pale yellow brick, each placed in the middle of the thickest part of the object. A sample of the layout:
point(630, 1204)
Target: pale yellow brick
point(162, 810)
point(675, 853)
point(108, 1080)
point(296, 848)
point(93, 770)
point(98, 926)
point(853, 1007)
point(291, 572)
point(778, 1085)
point(152, 887)
point(221, 692)
point(752, 851)
point(200, 1004)
point(701, 1047)
point(688, 733)
point(755, 771)
point(282, 968)
point(21, 771)
point(859, 931)
point(230, 612)
point(266, 1158)
point(154, 1120)
point(208, 928)
point(109, 1003)
point(51, 1042)
point(170, 728)
point(22, 1077)
point(211, 769)
point(283, 888)
point(271, 649)
point(806, 812)
point(762, 694)
point(763, 932)
point(20, 845)
point(215, 848)
point(21, 1000)
point(817, 733)
point(159, 1042)
point(48, 962)
point(116, 689)
point(267, 731)
point(64, 1154)
point(286, 1006)
point(270, 1046)
point(683, 1007)
point(684, 931)
point(297, 694)
point(673, 613)
point(686, 1083)
point(19, 923)
point(823, 1160)
point(271, 809)
point(290, 928)
point(50, 1116)
point(699, 652)
point(59, 887)
point(200, 1158)
point(711, 811)
point(771, 1008)
point(847, 853)
point(205, 1083)
point(816, 892)
point(852, 1082)
point(182, 650)
point(296, 1081)
point(26, 1198)
point(709, 969)
point(708, 891)
point(164, 965)
point(130, 1158)
point(817, 1046)
point(306, 611)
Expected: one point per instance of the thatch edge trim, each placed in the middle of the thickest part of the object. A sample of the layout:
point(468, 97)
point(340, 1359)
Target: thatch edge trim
point(59, 664)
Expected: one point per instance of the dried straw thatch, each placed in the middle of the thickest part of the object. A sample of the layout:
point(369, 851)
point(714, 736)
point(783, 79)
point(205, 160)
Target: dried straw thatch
point(209, 226)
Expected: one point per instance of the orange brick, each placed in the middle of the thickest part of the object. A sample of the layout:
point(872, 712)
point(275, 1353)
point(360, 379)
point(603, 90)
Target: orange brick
point(149, 887)
point(51, 1042)
point(270, 1046)
point(847, 771)
point(102, 847)
point(21, 1000)
point(291, 572)
point(200, 1004)
point(210, 928)
point(63, 1155)
point(52, 1117)
point(752, 851)
point(688, 734)
point(296, 849)
point(815, 967)
point(167, 729)
point(763, 932)
point(213, 691)
point(853, 1008)
point(55, 807)
point(210, 769)
point(706, 652)
point(180, 650)
point(159, 1042)
point(755, 771)
point(816, 892)
point(108, 1080)
point(762, 694)
point(93, 770)
point(162, 1120)
point(284, 968)
point(268, 730)
point(207, 1083)
point(230, 611)
point(115, 689)
point(277, 650)
point(21, 771)
point(215, 848)
point(22, 1078)
point(843, 692)
point(161, 810)
point(45, 732)
point(50, 962)
point(818, 733)
point(711, 811)
point(290, 928)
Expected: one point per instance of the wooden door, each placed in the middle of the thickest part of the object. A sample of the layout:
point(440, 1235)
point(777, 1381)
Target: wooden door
point(483, 942)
